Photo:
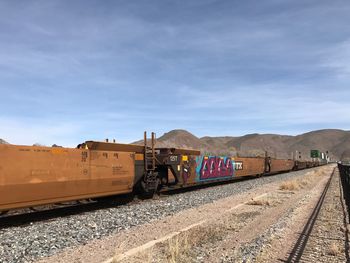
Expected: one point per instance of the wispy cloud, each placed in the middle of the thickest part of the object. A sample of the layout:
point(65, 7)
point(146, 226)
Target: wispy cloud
point(339, 59)
point(90, 70)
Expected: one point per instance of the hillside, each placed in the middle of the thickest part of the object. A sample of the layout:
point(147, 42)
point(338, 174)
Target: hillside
point(281, 146)
point(345, 157)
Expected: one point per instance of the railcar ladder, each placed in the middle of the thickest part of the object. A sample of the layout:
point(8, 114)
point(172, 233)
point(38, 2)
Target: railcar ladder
point(150, 156)
point(150, 162)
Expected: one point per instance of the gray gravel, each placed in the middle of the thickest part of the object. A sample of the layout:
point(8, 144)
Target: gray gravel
point(249, 252)
point(40, 239)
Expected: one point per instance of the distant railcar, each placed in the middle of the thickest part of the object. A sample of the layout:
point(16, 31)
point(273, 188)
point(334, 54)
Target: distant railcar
point(280, 165)
point(299, 165)
point(250, 166)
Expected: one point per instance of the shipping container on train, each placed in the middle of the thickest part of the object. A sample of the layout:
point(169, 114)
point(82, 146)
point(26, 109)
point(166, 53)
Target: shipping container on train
point(250, 166)
point(280, 165)
point(32, 175)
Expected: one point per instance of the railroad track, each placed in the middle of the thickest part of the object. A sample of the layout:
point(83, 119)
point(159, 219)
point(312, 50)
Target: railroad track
point(298, 250)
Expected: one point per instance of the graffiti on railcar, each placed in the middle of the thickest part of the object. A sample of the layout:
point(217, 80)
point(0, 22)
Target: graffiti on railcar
point(214, 167)
point(188, 169)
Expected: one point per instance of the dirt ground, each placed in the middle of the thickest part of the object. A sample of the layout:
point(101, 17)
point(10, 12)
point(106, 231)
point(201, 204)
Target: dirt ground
point(256, 226)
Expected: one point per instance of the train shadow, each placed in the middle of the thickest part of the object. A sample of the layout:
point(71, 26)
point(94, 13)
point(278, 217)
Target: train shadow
point(173, 191)
point(170, 191)
point(64, 210)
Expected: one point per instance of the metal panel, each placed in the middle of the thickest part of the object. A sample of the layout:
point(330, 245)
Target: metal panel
point(281, 165)
point(249, 166)
point(39, 175)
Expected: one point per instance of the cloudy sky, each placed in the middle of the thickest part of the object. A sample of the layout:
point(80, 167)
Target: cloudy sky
point(71, 71)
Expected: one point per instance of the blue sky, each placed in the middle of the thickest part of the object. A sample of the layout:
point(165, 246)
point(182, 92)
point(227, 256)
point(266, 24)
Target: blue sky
point(72, 71)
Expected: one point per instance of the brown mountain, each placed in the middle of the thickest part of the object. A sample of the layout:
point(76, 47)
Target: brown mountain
point(280, 146)
point(182, 139)
point(345, 157)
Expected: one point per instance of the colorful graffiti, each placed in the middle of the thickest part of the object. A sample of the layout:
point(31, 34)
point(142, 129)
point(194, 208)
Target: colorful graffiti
point(214, 167)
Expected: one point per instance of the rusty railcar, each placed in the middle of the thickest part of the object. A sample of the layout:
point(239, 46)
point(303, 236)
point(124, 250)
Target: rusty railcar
point(181, 168)
point(250, 166)
point(176, 167)
point(280, 165)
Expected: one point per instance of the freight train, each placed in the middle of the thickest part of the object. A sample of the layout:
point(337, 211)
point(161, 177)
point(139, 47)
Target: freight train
point(33, 175)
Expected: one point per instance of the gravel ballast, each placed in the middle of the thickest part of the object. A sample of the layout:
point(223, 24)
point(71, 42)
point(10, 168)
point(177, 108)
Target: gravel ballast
point(41, 239)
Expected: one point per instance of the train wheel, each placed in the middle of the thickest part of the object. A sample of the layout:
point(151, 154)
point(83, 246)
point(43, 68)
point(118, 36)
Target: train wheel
point(4, 212)
point(148, 186)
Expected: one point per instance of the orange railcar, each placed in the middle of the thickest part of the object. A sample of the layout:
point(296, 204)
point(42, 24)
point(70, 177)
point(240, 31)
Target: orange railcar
point(280, 165)
point(32, 176)
point(249, 166)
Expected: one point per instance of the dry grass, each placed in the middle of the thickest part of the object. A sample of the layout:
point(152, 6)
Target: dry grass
point(334, 249)
point(311, 173)
point(178, 248)
point(320, 173)
point(289, 186)
point(298, 183)
point(304, 182)
point(145, 256)
point(258, 202)
point(174, 250)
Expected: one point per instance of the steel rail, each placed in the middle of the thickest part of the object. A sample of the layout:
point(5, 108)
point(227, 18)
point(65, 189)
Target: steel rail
point(299, 247)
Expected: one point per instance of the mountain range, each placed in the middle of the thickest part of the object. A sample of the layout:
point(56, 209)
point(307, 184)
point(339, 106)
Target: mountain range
point(334, 141)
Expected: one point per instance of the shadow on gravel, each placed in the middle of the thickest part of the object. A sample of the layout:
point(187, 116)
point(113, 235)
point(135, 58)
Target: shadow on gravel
point(299, 247)
point(63, 211)
point(211, 184)
point(203, 186)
